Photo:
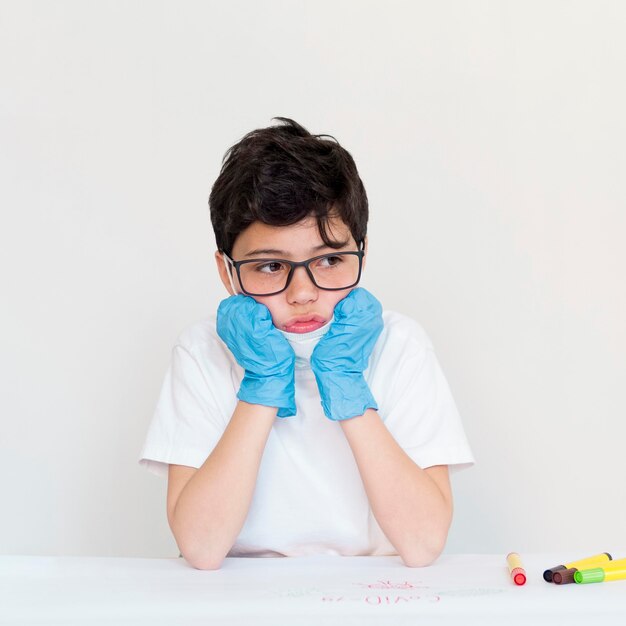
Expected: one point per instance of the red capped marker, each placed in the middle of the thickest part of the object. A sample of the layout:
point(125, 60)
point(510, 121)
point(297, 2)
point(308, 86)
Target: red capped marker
point(516, 569)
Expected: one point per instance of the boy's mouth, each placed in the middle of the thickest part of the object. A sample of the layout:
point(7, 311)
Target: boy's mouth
point(304, 324)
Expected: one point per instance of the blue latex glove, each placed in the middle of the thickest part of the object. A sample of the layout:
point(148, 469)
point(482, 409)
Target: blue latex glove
point(246, 327)
point(342, 354)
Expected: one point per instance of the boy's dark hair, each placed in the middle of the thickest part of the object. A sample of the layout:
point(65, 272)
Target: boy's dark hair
point(280, 175)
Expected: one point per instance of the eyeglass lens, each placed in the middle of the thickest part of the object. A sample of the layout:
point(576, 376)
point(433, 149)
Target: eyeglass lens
point(332, 271)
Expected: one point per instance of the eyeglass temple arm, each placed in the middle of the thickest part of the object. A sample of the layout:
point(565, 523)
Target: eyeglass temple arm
point(229, 271)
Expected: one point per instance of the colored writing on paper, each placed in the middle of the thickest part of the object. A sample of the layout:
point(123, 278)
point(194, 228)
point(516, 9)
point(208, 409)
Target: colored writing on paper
point(387, 593)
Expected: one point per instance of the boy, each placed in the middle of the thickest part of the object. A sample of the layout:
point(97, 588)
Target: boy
point(302, 418)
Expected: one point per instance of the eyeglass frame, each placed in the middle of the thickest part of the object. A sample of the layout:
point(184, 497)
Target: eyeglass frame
point(292, 269)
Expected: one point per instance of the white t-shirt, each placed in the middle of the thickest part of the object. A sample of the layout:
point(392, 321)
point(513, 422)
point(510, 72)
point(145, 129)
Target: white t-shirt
point(309, 497)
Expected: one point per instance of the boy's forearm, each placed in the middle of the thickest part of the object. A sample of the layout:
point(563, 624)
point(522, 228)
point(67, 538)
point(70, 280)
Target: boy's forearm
point(213, 505)
point(408, 505)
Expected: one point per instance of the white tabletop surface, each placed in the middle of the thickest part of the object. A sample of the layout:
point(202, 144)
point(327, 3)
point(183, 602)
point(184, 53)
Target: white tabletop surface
point(321, 590)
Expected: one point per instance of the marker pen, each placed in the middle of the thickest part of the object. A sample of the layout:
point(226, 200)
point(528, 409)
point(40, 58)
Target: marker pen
point(566, 576)
point(516, 569)
point(591, 561)
point(600, 575)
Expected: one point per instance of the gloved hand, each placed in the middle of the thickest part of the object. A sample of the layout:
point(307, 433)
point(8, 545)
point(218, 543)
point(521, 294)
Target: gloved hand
point(342, 354)
point(246, 327)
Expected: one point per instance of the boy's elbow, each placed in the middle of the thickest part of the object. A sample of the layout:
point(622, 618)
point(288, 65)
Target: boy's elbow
point(205, 563)
point(421, 559)
point(423, 555)
point(202, 560)
point(210, 565)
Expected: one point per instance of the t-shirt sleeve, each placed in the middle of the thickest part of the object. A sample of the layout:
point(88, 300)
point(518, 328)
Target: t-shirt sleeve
point(188, 420)
point(422, 415)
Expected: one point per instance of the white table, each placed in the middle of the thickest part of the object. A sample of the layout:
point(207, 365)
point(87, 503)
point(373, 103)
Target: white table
point(320, 590)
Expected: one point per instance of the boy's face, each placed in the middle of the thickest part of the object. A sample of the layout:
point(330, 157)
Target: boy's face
point(297, 242)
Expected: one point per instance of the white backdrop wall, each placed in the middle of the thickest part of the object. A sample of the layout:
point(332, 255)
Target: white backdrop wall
point(490, 138)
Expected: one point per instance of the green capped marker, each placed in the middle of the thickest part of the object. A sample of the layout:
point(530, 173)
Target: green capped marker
point(599, 575)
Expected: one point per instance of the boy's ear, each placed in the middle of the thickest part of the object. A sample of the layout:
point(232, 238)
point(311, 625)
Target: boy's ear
point(223, 272)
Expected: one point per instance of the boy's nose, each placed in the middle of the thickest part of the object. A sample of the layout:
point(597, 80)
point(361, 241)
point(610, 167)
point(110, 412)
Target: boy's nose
point(301, 288)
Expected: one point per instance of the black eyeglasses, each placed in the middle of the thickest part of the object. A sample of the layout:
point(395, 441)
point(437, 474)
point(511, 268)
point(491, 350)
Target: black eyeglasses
point(267, 277)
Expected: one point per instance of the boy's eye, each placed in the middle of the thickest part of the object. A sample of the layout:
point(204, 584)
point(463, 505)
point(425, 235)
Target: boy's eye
point(270, 268)
point(330, 261)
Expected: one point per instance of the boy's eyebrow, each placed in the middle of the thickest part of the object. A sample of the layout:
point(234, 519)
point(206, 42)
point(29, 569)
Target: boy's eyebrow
point(273, 251)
